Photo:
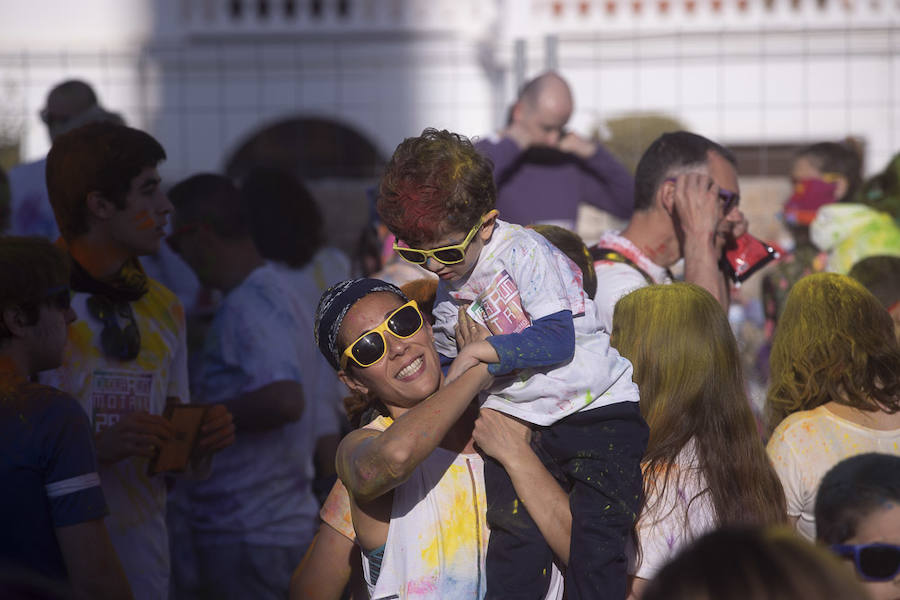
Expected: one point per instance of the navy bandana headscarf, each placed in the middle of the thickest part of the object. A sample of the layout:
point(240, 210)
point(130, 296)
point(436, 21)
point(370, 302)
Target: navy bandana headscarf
point(333, 307)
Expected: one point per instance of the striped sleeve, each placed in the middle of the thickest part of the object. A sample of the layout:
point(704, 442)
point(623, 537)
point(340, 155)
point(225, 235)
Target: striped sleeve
point(71, 482)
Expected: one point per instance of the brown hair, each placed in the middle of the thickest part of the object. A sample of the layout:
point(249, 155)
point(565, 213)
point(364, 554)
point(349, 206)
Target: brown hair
point(753, 564)
point(687, 367)
point(29, 268)
point(435, 184)
point(99, 157)
point(834, 343)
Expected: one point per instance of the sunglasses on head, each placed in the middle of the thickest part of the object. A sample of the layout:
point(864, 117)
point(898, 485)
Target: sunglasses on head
point(117, 342)
point(446, 255)
point(368, 348)
point(874, 562)
point(729, 199)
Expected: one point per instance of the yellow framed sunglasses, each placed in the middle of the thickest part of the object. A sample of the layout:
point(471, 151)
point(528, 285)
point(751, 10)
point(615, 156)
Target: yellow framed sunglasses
point(446, 255)
point(371, 346)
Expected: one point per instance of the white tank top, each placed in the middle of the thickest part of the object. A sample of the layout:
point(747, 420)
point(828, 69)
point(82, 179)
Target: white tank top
point(438, 535)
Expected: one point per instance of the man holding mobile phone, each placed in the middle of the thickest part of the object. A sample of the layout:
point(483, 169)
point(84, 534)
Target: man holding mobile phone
point(687, 205)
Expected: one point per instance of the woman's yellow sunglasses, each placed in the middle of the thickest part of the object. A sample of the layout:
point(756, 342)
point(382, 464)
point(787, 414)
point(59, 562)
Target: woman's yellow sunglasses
point(446, 255)
point(368, 348)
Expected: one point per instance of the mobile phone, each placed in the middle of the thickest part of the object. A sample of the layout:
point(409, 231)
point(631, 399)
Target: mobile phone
point(175, 454)
point(746, 256)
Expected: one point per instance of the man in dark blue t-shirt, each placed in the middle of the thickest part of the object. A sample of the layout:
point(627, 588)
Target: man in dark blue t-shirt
point(52, 506)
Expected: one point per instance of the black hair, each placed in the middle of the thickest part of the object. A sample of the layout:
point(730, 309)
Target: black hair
point(668, 152)
point(30, 267)
point(881, 276)
point(839, 158)
point(851, 490)
point(285, 220)
point(213, 200)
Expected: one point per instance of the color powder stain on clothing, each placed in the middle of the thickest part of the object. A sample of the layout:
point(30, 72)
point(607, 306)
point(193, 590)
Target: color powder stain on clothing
point(422, 586)
point(459, 526)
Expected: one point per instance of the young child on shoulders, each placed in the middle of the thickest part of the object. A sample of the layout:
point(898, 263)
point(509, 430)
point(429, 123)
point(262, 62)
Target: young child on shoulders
point(552, 361)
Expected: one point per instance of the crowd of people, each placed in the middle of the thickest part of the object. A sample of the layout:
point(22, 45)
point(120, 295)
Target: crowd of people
point(511, 414)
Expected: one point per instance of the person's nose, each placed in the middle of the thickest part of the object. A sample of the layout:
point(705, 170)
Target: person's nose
point(165, 206)
point(394, 346)
point(432, 264)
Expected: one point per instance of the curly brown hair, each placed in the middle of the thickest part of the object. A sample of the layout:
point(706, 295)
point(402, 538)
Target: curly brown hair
point(834, 343)
point(435, 184)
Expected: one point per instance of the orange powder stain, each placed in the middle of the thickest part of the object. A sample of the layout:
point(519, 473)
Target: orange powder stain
point(144, 220)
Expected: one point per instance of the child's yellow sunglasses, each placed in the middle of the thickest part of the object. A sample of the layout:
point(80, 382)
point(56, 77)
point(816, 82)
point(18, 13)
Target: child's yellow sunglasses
point(446, 255)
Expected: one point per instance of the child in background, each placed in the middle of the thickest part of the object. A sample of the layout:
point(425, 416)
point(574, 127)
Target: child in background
point(553, 363)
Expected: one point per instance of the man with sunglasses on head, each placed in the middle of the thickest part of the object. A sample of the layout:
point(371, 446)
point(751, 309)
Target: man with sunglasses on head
point(126, 359)
point(253, 518)
point(686, 205)
point(52, 506)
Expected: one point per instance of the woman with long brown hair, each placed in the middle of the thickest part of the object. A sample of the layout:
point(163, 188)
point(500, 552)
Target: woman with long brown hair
point(705, 465)
point(834, 389)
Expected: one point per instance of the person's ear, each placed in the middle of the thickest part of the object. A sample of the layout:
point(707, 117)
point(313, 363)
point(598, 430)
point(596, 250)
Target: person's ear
point(841, 185)
point(14, 321)
point(487, 225)
point(99, 206)
point(517, 113)
point(665, 196)
point(354, 384)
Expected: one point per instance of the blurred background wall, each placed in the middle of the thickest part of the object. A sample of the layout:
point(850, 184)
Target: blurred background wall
point(329, 87)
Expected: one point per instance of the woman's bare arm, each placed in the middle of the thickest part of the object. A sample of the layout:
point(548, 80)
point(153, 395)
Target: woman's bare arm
point(371, 463)
point(324, 572)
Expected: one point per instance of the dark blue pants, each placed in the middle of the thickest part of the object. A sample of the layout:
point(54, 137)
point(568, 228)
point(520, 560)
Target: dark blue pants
point(596, 455)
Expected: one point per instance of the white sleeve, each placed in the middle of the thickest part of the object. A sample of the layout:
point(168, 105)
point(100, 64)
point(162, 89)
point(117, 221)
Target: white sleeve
point(660, 532)
point(445, 317)
point(178, 384)
point(613, 282)
point(784, 460)
point(543, 276)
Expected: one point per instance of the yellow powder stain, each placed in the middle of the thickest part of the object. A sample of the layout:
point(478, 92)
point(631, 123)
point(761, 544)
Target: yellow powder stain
point(458, 524)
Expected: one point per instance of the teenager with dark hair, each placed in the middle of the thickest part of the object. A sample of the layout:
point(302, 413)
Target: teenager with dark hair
point(835, 386)
point(52, 506)
point(126, 359)
point(858, 516)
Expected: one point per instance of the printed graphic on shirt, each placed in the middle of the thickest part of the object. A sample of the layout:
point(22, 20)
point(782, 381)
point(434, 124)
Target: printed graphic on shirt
point(115, 394)
point(499, 307)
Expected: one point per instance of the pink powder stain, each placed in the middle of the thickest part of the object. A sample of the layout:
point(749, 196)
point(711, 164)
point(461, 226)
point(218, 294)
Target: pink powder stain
point(422, 586)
